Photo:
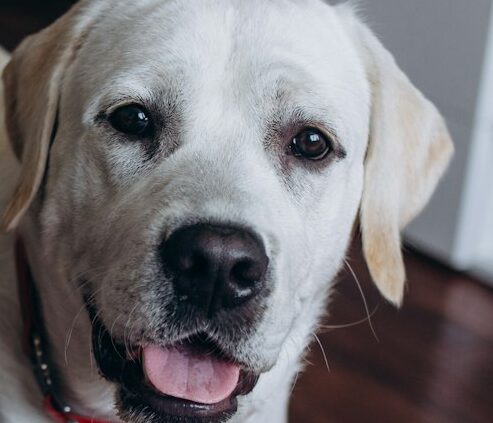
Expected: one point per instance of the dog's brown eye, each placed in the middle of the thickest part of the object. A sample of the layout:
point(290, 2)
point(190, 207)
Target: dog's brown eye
point(311, 144)
point(132, 120)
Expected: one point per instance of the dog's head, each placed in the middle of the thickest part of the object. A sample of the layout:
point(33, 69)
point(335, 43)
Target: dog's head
point(196, 169)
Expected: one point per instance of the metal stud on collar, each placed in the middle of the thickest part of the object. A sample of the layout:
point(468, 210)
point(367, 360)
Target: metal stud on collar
point(43, 373)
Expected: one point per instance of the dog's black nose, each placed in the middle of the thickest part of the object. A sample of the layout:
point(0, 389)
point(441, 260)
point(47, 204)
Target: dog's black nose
point(215, 267)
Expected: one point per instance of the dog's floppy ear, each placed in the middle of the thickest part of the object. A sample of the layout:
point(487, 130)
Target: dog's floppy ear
point(408, 151)
point(32, 82)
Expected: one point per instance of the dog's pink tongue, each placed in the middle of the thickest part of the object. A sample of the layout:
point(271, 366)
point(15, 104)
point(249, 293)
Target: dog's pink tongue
point(180, 373)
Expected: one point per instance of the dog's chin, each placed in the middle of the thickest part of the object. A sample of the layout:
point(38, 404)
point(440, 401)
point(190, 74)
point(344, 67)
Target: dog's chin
point(140, 393)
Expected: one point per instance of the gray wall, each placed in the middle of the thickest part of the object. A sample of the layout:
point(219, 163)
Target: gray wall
point(440, 45)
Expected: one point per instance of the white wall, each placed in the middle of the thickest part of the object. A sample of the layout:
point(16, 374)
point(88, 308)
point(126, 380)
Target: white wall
point(474, 243)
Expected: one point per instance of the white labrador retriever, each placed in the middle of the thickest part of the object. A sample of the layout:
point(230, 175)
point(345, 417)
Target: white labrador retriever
point(190, 176)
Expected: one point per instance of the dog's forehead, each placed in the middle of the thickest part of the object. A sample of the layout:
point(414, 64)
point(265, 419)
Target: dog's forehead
point(222, 25)
point(225, 49)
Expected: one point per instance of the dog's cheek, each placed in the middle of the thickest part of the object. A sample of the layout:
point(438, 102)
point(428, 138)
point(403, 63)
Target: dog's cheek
point(129, 298)
point(314, 255)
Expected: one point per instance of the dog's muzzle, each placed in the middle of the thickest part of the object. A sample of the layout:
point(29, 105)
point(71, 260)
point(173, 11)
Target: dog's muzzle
point(216, 273)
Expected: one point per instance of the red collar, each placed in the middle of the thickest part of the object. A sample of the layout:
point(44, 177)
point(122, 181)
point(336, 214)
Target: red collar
point(34, 342)
point(64, 417)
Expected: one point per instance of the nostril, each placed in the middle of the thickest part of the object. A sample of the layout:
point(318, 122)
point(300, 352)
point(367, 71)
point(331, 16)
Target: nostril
point(185, 263)
point(246, 273)
point(193, 264)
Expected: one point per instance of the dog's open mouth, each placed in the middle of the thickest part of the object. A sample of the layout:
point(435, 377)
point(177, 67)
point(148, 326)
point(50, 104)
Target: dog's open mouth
point(190, 381)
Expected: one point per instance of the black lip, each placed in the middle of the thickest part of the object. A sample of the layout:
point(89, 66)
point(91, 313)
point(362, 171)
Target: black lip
point(168, 407)
point(136, 395)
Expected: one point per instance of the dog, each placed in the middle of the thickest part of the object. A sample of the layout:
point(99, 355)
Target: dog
point(182, 180)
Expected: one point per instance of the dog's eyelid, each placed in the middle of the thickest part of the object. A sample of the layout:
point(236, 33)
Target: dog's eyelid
point(339, 151)
point(109, 108)
point(108, 103)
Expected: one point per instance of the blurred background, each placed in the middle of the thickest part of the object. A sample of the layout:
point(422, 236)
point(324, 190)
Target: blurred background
point(431, 361)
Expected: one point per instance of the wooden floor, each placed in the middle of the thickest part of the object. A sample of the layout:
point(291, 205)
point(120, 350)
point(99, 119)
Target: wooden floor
point(431, 361)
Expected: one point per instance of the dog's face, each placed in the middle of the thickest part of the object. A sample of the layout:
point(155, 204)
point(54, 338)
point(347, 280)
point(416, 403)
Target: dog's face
point(205, 173)
point(209, 124)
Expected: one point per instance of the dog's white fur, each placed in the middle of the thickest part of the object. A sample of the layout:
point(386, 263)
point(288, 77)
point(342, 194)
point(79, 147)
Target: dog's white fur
point(229, 69)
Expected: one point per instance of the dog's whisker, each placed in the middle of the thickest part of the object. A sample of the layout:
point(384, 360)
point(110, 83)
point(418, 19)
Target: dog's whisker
point(323, 351)
point(111, 336)
point(96, 316)
point(293, 385)
point(68, 336)
point(365, 303)
point(95, 273)
point(128, 346)
point(100, 333)
point(351, 324)
point(126, 339)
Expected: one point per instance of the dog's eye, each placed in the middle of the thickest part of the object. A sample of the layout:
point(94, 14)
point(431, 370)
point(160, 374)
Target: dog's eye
point(311, 144)
point(131, 119)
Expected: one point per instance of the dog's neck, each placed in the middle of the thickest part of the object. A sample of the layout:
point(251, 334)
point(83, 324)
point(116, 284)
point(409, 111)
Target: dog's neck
point(68, 331)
